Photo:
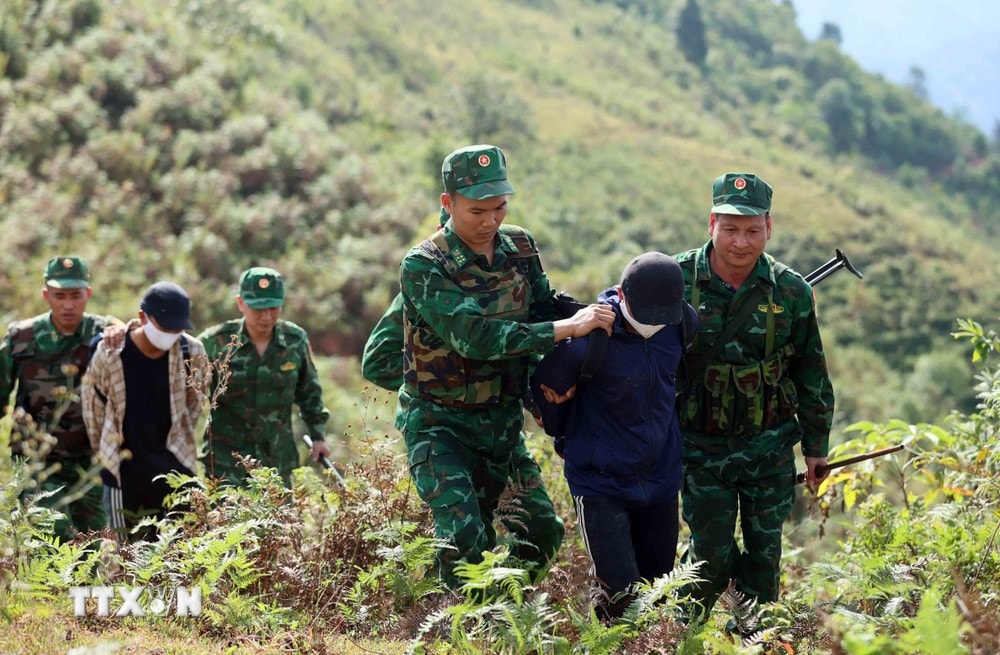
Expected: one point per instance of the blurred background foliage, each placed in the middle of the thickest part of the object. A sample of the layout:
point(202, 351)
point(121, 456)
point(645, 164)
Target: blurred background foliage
point(189, 140)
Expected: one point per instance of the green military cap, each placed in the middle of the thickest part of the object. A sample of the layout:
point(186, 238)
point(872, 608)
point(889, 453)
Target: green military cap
point(741, 193)
point(477, 172)
point(262, 287)
point(67, 273)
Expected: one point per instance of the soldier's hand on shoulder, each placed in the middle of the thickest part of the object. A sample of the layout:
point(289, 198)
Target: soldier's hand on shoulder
point(585, 321)
point(114, 333)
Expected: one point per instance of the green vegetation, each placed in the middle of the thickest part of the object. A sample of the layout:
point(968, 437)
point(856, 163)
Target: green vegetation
point(191, 140)
point(318, 569)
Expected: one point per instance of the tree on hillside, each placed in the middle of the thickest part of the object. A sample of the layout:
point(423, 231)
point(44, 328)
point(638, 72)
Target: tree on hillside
point(840, 111)
point(917, 82)
point(831, 32)
point(691, 34)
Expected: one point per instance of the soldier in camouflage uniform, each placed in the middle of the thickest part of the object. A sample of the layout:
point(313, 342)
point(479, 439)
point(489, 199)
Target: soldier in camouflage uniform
point(476, 307)
point(764, 391)
point(44, 358)
point(382, 364)
point(270, 367)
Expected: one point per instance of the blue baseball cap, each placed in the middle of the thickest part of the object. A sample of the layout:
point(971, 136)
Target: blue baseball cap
point(169, 304)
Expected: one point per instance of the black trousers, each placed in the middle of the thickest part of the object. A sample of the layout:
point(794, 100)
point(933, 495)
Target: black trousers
point(626, 544)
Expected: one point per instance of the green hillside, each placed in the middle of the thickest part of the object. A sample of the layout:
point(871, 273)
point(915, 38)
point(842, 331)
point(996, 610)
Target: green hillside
point(191, 140)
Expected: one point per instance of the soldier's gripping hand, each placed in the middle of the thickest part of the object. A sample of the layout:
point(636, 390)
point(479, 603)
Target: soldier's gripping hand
point(585, 321)
point(319, 449)
point(816, 471)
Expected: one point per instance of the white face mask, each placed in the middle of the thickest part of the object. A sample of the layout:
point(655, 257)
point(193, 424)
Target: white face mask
point(159, 338)
point(645, 331)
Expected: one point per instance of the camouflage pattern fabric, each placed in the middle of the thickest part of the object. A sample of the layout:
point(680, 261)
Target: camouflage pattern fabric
point(382, 359)
point(460, 461)
point(741, 417)
point(468, 338)
point(46, 368)
point(83, 514)
point(763, 491)
point(535, 522)
point(254, 414)
point(470, 330)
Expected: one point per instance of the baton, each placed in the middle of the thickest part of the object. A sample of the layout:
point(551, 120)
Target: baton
point(325, 461)
point(823, 469)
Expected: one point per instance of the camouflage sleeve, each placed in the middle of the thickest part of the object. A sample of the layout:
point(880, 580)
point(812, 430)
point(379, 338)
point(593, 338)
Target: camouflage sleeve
point(382, 359)
point(812, 379)
point(457, 318)
point(8, 376)
point(309, 395)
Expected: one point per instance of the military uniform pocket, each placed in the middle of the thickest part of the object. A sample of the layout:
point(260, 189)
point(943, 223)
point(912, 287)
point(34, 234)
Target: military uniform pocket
point(418, 455)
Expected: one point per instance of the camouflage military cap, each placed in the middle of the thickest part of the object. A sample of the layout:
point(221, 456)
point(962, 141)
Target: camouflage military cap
point(741, 193)
point(477, 172)
point(67, 273)
point(262, 287)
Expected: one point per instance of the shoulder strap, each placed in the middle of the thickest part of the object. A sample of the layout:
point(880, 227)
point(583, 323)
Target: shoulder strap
point(593, 357)
point(185, 348)
point(518, 236)
point(692, 370)
point(97, 338)
point(688, 327)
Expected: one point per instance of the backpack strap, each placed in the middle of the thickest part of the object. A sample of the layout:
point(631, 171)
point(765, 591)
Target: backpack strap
point(593, 357)
point(688, 330)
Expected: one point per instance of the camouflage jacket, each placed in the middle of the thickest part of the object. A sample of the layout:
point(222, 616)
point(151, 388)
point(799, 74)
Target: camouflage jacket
point(749, 397)
point(46, 367)
point(471, 327)
point(256, 404)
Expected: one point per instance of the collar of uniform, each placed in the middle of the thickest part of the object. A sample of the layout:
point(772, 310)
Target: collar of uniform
point(460, 253)
point(506, 243)
point(46, 335)
point(278, 337)
point(764, 268)
point(703, 271)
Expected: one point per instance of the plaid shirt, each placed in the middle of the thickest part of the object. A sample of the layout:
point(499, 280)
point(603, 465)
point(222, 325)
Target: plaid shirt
point(103, 399)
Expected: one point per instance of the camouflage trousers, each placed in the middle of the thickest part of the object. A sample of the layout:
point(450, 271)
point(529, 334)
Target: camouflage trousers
point(760, 491)
point(461, 461)
point(82, 513)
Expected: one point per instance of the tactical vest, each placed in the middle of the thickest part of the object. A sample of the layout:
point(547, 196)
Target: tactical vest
point(741, 400)
point(433, 369)
point(49, 386)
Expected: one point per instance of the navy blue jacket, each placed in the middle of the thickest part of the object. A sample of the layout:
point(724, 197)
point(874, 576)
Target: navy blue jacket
point(622, 439)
